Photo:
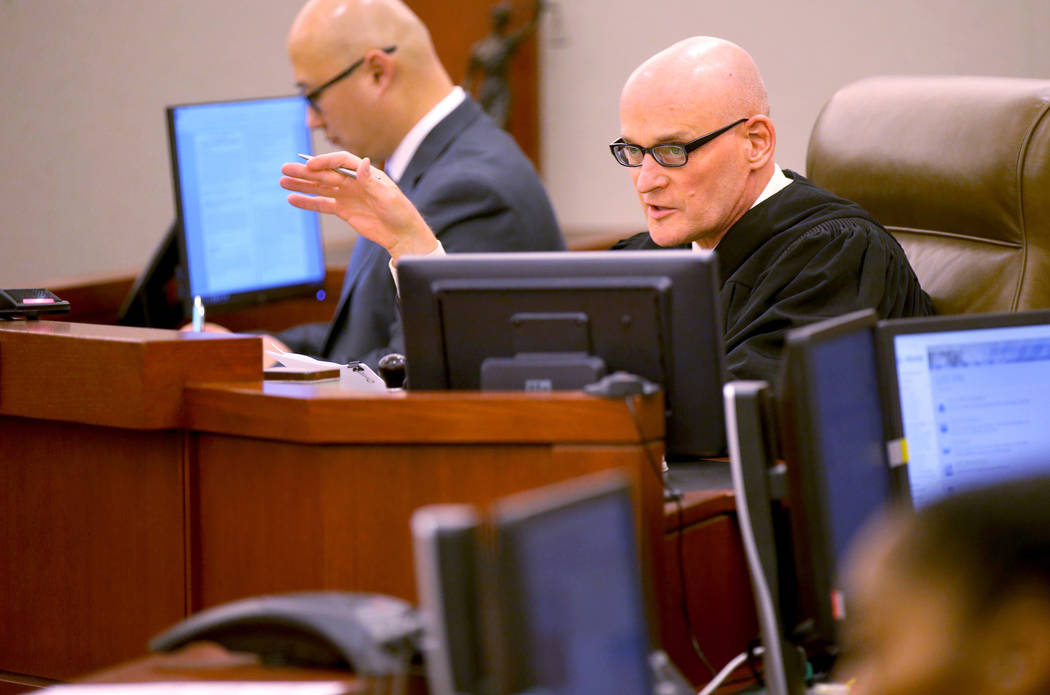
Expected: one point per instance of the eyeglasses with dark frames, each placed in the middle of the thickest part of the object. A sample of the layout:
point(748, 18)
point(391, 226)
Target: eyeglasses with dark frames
point(670, 154)
point(314, 94)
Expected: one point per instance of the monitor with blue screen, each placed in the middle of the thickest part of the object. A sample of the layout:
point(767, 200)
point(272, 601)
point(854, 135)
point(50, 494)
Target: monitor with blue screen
point(838, 468)
point(240, 240)
point(573, 610)
point(556, 607)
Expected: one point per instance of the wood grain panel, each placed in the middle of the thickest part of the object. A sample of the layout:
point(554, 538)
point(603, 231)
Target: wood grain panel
point(113, 375)
point(280, 517)
point(717, 585)
point(91, 541)
point(322, 413)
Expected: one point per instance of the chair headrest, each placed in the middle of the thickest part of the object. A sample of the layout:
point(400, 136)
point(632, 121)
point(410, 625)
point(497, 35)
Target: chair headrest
point(961, 156)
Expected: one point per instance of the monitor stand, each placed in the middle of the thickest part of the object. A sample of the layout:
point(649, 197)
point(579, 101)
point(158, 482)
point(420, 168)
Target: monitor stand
point(153, 300)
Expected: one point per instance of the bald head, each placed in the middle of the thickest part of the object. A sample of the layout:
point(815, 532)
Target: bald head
point(371, 110)
point(709, 72)
point(342, 28)
point(697, 87)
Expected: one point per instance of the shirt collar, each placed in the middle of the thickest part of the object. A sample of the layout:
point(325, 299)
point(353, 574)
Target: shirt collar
point(777, 182)
point(398, 161)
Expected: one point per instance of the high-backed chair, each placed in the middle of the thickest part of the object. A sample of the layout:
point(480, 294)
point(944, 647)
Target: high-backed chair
point(958, 169)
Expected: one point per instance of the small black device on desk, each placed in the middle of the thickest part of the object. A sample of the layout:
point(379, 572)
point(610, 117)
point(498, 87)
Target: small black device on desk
point(30, 303)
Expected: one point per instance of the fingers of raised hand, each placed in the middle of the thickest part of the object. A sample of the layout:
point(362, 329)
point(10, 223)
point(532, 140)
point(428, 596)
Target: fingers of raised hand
point(315, 203)
point(310, 187)
point(294, 170)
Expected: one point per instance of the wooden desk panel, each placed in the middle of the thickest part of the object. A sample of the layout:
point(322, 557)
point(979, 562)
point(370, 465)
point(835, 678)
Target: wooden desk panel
point(703, 547)
point(113, 375)
point(322, 413)
point(275, 516)
point(132, 496)
point(91, 544)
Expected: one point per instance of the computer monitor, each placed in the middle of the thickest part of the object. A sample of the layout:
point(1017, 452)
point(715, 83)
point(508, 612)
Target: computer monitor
point(449, 565)
point(240, 241)
point(969, 395)
point(570, 593)
point(153, 301)
point(558, 320)
point(758, 480)
point(837, 465)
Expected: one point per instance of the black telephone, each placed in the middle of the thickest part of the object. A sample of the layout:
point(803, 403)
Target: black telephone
point(371, 634)
point(30, 303)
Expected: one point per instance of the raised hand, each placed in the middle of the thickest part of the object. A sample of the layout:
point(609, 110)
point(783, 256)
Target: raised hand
point(371, 203)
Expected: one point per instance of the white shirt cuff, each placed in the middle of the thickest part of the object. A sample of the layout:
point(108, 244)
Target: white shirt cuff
point(439, 251)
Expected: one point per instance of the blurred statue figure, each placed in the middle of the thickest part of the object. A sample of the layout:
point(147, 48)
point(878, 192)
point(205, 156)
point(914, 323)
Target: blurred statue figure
point(490, 58)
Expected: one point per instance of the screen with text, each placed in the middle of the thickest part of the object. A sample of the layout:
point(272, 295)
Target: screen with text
point(975, 406)
point(240, 233)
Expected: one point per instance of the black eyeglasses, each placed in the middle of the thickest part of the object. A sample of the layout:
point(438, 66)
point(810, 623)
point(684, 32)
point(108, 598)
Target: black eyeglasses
point(314, 94)
point(671, 154)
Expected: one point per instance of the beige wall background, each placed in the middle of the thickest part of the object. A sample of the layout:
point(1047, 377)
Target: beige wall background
point(86, 187)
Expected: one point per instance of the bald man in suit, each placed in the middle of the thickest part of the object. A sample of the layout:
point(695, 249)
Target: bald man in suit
point(376, 86)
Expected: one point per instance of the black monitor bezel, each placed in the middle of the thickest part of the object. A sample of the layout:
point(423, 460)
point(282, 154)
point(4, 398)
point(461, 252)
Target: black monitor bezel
point(888, 329)
point(249, 297)
point(695, 418)
point(509, 516)
point(810, 523)
point(451, 586)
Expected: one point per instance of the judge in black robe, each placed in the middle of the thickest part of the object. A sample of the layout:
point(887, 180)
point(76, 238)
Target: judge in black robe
point(800, 256)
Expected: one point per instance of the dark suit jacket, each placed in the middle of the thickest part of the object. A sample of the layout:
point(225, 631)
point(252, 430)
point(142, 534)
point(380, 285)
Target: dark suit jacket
point(477, 191)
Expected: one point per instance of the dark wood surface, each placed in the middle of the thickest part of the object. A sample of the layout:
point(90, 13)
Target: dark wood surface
point(203, 661)
point(114, 376)
point(91, 541)
point(324, 413)
point(119, 516)
point(274, 516)
point(705, 577)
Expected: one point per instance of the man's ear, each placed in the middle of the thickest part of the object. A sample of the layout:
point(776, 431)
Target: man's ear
point(381, 68)
point(762, 141)
point(1017, 648)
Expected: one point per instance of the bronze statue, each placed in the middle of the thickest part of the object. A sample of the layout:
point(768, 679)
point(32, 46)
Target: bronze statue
point(490, 58)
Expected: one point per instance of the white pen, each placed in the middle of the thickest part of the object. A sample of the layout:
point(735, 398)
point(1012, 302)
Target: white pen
point(342, 170)
point(198, 314)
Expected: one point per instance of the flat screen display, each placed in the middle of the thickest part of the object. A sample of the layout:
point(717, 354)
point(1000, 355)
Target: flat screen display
point(971, 396)
point(571, 592)
point(837, 466)
point(240, 240)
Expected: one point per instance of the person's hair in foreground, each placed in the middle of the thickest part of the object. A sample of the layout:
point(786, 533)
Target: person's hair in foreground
point(954, 598)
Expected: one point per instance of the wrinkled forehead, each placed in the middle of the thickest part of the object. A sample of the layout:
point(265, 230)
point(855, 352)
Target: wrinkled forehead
point(653, 109)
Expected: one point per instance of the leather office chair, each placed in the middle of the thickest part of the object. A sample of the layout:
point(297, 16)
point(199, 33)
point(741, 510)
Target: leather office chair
point(958, 169)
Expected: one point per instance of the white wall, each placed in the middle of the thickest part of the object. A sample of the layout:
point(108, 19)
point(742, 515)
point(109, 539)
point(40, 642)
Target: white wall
point(86, 187)
point(87, 182)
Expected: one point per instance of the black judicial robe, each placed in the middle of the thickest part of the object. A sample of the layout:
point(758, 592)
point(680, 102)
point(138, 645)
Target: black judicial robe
point(802, 255)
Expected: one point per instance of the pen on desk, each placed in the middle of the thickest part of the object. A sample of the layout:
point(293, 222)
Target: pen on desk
point(342, 170)
point(198, 314)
